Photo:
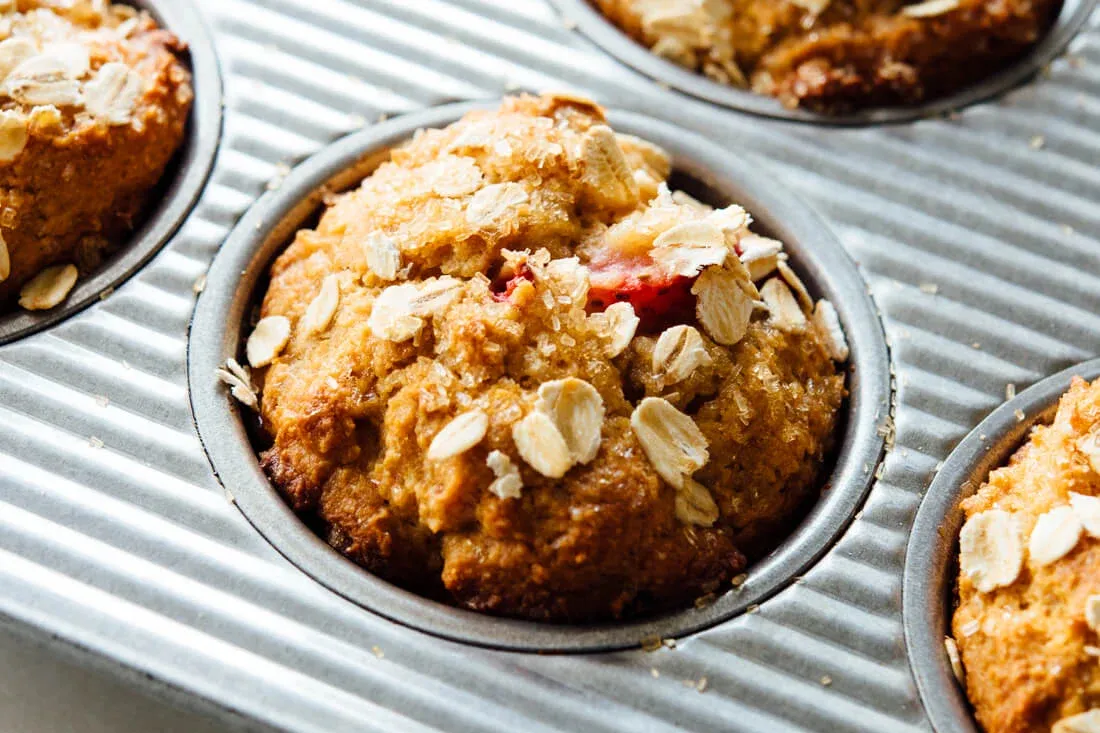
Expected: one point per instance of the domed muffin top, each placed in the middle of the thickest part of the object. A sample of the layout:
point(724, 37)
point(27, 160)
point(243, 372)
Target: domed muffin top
point(74, 64)
point(514, 368)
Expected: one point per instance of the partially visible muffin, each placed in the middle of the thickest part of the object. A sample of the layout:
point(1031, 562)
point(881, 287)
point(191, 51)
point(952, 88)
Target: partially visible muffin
point(838, 55)
point(515, 370)
point(94, 100)
point(1028, 618)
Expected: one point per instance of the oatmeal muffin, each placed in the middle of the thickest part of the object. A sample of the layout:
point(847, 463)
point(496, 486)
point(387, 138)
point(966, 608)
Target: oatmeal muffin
point(837, 55)
point(514, 370)
point(1029, 584)
point(93, 104)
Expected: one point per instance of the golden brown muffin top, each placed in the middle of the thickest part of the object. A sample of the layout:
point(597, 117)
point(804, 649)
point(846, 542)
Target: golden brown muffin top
point(1029, 586)
point(512, 347)
point(68, 65)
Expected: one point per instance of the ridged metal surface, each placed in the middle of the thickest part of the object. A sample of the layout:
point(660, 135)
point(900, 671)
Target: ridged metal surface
point(978, 240)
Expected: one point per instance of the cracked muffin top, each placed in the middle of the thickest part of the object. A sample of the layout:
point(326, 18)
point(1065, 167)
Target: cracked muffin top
point(838, 55)
point(512, 370)
point(94, 101)
point(1026, 627)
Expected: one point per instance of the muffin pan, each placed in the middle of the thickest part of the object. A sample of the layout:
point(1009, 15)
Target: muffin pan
point(976, 235)
point(175, 195)
point(614, 41)
point(721, 177)
point(932, 560)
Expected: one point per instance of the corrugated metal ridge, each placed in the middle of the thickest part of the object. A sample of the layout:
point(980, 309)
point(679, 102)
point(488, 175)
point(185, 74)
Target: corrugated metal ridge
point(131, 548)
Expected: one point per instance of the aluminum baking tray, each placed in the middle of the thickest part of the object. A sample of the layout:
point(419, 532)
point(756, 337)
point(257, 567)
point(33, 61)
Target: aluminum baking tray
point(977, 235)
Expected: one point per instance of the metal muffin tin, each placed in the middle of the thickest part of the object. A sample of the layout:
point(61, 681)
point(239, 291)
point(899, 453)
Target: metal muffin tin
point(242, 263)
point(179, 188)
point(978, 237)
point(592, 23)
point(931, 567)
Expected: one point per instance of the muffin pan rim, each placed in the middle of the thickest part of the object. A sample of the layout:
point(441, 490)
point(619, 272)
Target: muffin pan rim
point(190, 169)
point(263, 232)
point(928, 578)
point(610, 39)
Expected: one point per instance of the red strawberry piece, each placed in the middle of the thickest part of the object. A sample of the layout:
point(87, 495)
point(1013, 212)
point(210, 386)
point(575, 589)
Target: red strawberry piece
point(502, 290)
point(660, 299)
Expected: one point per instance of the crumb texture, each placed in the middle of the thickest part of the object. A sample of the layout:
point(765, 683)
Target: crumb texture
point(838, 55)
point(510, 395)
point(1026, 623)
point(94, 99)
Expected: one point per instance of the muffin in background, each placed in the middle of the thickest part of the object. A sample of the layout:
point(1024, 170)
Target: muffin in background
point(94, 101)
point(838, 55)
point(1028, 616)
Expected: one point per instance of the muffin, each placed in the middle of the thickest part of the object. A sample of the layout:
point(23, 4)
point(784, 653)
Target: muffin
point(838, 55)
point(94, 101)
point(514, 371)
point(1029, 583)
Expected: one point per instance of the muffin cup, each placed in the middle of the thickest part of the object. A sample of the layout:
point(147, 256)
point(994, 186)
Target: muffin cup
point(231, 293)
point(171, 202)
point(614, 41)
point(931, 561)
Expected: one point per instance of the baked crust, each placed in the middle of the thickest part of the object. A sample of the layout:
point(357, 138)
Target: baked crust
point(80, 181)
point(1026, 646)
point(352, 415)
point(840, 55)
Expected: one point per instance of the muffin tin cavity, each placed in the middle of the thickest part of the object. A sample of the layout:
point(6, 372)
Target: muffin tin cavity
point(172, 200)
point(236, 281)
point(589, 21)
point(931, 564)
